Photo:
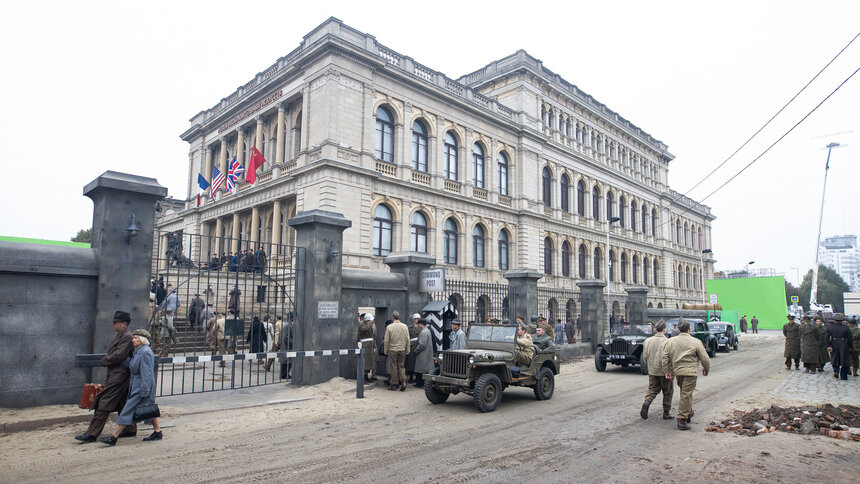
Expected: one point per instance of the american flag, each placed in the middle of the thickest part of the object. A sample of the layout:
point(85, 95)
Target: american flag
point(217, 180)
point(233, 173)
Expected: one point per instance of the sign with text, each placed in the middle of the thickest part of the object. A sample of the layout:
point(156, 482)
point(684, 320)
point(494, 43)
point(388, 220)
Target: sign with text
point(327, 309)
point(713, 298)
point(432, 280)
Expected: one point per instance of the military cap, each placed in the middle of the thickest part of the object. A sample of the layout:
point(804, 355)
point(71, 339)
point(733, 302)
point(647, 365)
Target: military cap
point(457, 322)
point(838, 317)
point(660, 326)
point(416, 316)
point(790, 316)
point(368, 317)
point(121, 316)
point(806, 317)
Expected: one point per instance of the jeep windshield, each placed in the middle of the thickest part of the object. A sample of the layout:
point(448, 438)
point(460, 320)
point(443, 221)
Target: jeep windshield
point(632, 329)
point(718, 327)
point(492, 332)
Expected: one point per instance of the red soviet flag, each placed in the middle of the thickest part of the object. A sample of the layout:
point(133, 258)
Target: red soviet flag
point(256, 161)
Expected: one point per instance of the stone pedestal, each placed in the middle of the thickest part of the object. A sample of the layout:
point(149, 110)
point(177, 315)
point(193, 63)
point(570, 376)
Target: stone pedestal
point(410, 264)
point(124, 267)
point(637, 304)
point(593, 323)
point(319, 281)
point(522, 292)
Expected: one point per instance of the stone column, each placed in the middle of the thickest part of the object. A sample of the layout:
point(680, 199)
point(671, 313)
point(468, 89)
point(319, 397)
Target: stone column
point(410, 264)
point(276, 229)
point(279, 141)
point(258, 134)
point(240, 147)
point(522, 292)
point(234, 245)
point(593, 322)
point(219, 234)
point(319, 281)
point(637, 303)
point(222, 156)
point(255, 227)
point(125, 268)
point(207, 170)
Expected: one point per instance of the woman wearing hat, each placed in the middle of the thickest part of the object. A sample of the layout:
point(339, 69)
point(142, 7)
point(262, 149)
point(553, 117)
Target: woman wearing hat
point(142, 389)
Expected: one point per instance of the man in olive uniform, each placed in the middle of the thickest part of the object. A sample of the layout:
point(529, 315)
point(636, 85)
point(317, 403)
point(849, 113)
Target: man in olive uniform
point(754, 323)
point(791, 331)
point(547, 328)
point(823, 355)
point(396, 347)
point(855, 349)
point(839, 343)
point(652, 354)
point(367, 340)
point(681, 357)
point(744, 323)
point(809, 345)
point(525, 350)
point(541, 340)
point(112, 397)
point(532, 327)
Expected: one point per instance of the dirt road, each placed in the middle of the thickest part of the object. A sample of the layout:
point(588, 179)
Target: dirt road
point(590, 430)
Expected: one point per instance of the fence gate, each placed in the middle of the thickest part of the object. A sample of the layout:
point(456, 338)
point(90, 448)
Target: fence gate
point(251, 285)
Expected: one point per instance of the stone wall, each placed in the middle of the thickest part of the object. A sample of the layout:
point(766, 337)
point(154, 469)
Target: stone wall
point(48, 298)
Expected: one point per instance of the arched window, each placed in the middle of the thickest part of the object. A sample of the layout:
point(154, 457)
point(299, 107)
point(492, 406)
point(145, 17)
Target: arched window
point(701, 241)
point(680, 277)
point(478, 165)
point(580, 198)
point(482, 306)
point(635, 269)
point(595, 203)
point(644, 219)
point(623, 267)
point(581, 260)
point(419, 232)
point(450, 249)
point(381, 230)
point(478, 246)
point(622, 211)
point(503, 174)
point(450, 156)
point(686, 234)
point(565, 191)
point(645, 268)
point(565, 259)
point(678, 231)
point(634, 214)
point(656, 279)
point(547, 256)
point(687, 283)
point(547, 187)
point(612, 261)
point(297, 137)
point(597, 262)
point(654, 222)
point(384, 135)
point(695, 278)
point(419, 147)
point(610, 202)
point(503, 250)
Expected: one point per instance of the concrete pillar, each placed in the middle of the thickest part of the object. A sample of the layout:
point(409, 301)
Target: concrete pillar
point(410, 264)
point(207, 169)
point(276, 229)
point(222, 157)
point(319, 279)
point(240, 147)
point(124, 268)
point(234, 245)
point(522, 292)
point(255, 227)
point(637, 303)
point(219, 234)
point(279, 140)
point(593, 324)
point(258, 136)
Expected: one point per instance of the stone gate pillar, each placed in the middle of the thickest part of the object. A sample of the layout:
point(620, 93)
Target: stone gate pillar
point(522, 292)
point(410, 264)
point(637, 303)
point(319, 280)
point(124, 267)
point(593, 325)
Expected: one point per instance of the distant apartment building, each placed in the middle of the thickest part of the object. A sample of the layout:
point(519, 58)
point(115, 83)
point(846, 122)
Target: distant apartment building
point(841, 254)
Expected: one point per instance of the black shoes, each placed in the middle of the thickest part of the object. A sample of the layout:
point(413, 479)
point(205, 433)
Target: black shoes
point(690, 418)
point(644, 411)
point(668, 416)
point(109, 440)
point(154, 436)
point(682, 425)
point(127, 433)
point(85, 438)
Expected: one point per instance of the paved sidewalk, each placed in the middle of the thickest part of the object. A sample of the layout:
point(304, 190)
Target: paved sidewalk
point(819, 387)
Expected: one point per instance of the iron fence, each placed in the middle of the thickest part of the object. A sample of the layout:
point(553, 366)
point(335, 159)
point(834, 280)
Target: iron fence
point(476, 301)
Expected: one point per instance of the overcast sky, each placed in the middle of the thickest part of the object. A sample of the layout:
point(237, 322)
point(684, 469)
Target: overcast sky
point(90, 86)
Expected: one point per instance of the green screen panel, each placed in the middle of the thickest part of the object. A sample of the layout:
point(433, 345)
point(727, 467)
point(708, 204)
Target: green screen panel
point(763, 297)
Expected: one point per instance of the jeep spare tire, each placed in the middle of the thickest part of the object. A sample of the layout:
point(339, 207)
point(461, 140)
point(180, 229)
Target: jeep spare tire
point(545, 384)
point(488, 392)
point(599, 362)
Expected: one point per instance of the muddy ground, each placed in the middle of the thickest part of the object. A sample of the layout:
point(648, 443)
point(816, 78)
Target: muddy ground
point(589, 431)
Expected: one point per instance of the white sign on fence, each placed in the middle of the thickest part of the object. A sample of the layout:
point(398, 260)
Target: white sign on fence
point(432, 280)
point(713, 299)
point(327, 309)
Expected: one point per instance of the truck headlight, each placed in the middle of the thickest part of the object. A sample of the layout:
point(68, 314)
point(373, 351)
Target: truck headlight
point(471, 360)
point(440, 356)
point(607, 341)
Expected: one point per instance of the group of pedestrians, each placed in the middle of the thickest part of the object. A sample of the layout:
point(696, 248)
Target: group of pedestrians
point(744, 325)
point(837, 343)
point(247, 260)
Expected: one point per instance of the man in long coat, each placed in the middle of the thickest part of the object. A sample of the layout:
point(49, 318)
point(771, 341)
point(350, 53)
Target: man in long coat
point(112, 397)
point(233, 304)
point(791, 331)
point(744, 323)
point(414, 331)
point(855, 351)
point(839, 342)
point(195, 312)
point(366, 336)
point(823, 355)
point(809, 345)
point(423, 353)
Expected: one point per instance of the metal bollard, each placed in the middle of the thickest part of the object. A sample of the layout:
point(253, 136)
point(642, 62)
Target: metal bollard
point(359, 374)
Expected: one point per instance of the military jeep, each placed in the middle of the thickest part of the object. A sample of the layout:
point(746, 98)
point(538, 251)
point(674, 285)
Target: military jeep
point(486, 367)
point(623, 347)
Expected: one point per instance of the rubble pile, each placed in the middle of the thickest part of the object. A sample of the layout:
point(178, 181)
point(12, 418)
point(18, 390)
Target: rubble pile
point(842, 422)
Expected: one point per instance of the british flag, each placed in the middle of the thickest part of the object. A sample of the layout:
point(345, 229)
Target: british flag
point(233, 173)
point(217, 180)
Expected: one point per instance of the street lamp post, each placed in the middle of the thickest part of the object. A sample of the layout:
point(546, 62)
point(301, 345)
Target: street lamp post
point(702, 270)
point(611, 221)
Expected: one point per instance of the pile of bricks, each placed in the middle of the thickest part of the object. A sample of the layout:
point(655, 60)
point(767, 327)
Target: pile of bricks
point(842, 422)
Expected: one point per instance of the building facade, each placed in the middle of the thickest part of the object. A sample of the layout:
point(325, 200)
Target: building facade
point(841, 254)
point(507, 167)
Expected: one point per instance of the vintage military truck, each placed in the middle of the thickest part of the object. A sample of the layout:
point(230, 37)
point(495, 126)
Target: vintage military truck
point(623, 347)
point(486, 367)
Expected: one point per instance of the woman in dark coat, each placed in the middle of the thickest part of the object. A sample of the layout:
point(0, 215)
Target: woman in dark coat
point(257, 337)
point(142, 389)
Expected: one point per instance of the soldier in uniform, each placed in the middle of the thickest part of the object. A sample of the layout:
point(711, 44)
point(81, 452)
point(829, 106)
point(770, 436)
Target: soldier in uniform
point(396, 347)
point(744, 323)
point(541, 340)
point(754, 322)
point(652, 353)
point(548, 329)
point(532, 327)
point(855, 349)
point(839, 343)
point(681, 357)
point(791, 331)
point(823, 356)
point(367, 340)
point(525, 350)
point(809, 345)
point(414, 331)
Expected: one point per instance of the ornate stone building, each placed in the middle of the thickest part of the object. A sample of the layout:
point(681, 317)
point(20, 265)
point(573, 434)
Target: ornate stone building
point(507, 167)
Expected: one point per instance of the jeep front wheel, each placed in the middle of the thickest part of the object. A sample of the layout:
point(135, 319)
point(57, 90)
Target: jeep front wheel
point(488, 392)
point(432, 393)
point(545, 384)
point(599, 362)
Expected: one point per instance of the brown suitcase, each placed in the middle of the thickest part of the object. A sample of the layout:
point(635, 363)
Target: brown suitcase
point(89, 394)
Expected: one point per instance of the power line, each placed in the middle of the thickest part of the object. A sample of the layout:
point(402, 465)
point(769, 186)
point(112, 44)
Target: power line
point(773, 117)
